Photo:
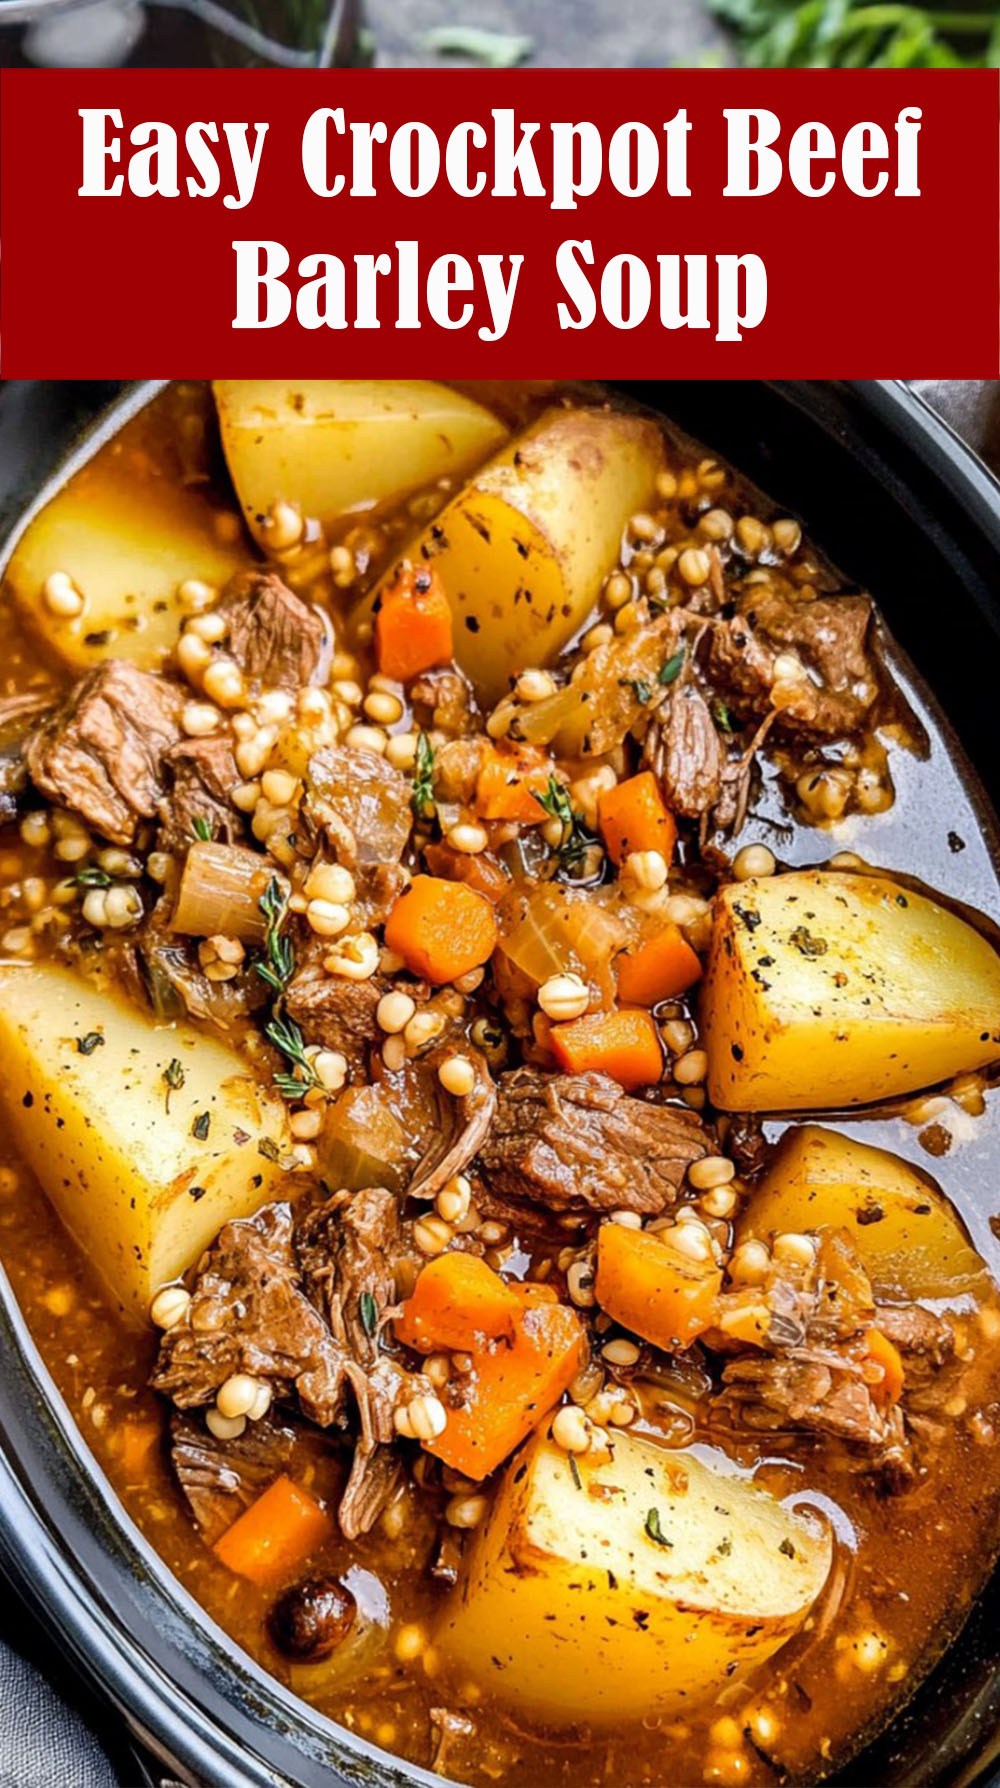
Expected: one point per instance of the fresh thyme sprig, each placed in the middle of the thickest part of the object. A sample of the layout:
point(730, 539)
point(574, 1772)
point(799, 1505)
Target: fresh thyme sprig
point(576, 836)
point(422, 798)
point(860, 34)
point(278, 966)
point(284, 1033)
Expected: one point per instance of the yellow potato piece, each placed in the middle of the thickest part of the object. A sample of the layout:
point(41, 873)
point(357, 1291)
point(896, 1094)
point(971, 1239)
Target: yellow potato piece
point(523, 550)
point(127, 542)
point(571, 1608)
point(909, 1240)
point(826, 989)
point(334, 446)
point(113, 1144)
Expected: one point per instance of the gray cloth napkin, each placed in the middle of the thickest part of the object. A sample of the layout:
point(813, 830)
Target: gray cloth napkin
point(47, 1725)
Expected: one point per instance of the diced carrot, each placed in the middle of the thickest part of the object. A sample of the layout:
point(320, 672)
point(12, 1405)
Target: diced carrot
point(276, 1534)
point(633, 817)
point(481, 871)
point(508, 783)
point(412, 623)
point(458, 1302)
point(886, 1354)
point(661, 968)
point(623, 1044)
point(653, 1291)
point(511, 1387)
point(441, 929)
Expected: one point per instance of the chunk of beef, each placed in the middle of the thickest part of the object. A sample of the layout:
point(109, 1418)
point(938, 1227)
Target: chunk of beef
point(347, 1251)
point(334, 1012)
point(822, 1395)
point(19, 717)
point(686, 754)
point(200, 776)
point(101, 753)
point(577, 1142)
point(249, 1314)
point(915, 1330)
point(219, 1478)
point(829, 635)
point(278, 641)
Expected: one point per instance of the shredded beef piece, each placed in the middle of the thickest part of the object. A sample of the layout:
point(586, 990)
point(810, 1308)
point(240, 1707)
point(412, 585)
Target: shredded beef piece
point(359, 807)
point(747, 1144)
point(347, 1251)
point(376, 1475)
point(278, 641)
point(577, 1142)
point(823, 1395)
point(249, 1314)
point(686, 754)
point(200, 775)
point(915, 1330)
point(829, 635)
point(219, 1478)
point(101, 753)
point(462, 1133)
point(19, 717)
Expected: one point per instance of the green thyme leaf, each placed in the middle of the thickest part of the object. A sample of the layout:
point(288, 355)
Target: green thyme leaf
point(278, 965)
point(173, 1074)
point(202, 828)
point(368, 1311)
point(92, 877)
point(284, 1033)
point(575, 1472)
point(670, 671)
point(654, 1529)
point(576, 837)
point(201, 1126)
point(422, 797)
point(722, 717)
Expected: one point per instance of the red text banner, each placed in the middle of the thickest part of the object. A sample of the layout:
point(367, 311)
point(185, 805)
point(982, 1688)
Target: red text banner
point(528, 223)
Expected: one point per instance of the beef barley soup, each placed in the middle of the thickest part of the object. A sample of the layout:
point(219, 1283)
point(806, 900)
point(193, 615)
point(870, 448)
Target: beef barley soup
point(497, 1039)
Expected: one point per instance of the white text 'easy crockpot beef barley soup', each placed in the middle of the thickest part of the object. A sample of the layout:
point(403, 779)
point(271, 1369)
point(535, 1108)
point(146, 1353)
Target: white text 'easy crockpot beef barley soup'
point(483, 1035)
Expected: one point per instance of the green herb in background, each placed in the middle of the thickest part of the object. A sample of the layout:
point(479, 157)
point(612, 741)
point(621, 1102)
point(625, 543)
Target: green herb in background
point(842, 34)
point(491, 49)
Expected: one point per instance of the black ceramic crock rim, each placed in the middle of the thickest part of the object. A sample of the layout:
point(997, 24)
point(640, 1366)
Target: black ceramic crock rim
point(69, 1546)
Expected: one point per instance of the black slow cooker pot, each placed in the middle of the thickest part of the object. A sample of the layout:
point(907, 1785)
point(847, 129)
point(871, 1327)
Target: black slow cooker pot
point(900, 504)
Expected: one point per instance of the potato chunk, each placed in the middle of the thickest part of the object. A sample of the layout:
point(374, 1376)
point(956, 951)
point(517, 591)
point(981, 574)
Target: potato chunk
point(605, 1589)
point(827, 989)
point(144, 1161)
point(522, 551)
point(909, 1240)
point(127, 542)
point(332, 446)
